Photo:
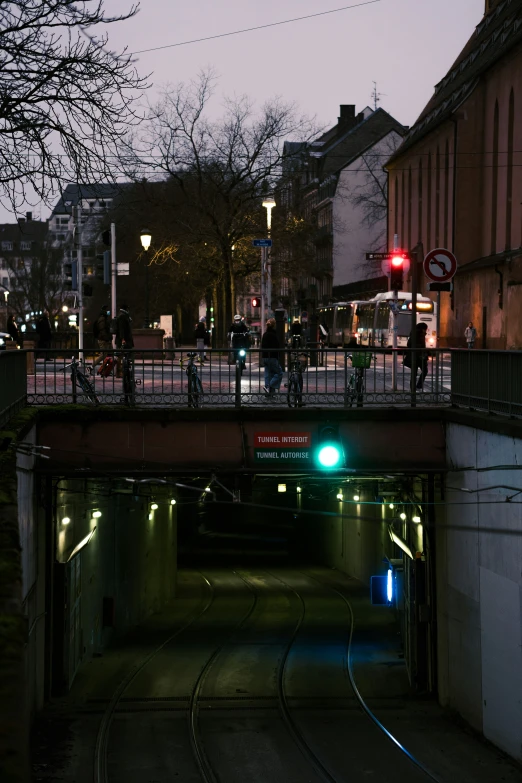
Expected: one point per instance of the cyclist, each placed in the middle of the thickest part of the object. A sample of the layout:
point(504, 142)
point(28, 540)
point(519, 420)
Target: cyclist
point(239, 336)
point(296, 332)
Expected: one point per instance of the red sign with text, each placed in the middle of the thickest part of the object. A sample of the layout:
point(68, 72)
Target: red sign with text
point(278, 440)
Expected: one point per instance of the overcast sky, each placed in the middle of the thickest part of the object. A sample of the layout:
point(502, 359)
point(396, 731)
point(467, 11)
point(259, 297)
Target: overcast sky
point(406, 46)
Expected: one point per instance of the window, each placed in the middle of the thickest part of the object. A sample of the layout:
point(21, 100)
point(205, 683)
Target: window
point(25, 245)
point(7, 245)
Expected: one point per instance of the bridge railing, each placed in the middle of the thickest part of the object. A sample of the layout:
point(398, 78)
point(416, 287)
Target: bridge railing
point(487, 380)
point(13, 383)
point(312, 377)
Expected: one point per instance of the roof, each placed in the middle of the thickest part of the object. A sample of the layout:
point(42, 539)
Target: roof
point(75, 193)
point(25, 229)
point(344, 148)
point(498, 32)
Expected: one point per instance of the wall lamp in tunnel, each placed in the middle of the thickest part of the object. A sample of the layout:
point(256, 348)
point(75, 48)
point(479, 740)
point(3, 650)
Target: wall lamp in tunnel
point(281, 487)
point(339, 496)
point(154, 506)
point(298, 490)
point(417, 520)
point(391, 505)
point(173, 502)
point(402, 516)
point(96, 514)
point(66, 521)
point(356, 498)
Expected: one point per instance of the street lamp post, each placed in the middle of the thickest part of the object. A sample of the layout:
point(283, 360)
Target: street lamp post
point(146, 238)
point(266, 268)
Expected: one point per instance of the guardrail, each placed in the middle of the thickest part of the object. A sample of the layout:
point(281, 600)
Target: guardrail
point(313, 377)
point(13, 383)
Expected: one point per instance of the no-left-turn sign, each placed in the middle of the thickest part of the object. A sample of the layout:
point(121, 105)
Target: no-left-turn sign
point(440, 265)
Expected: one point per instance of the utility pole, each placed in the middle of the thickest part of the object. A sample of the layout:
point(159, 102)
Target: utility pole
point(80, 277)
point(113, 270)
point(263, 296)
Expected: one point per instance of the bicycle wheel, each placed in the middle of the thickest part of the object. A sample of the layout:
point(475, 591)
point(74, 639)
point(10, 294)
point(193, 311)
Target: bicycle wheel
point(195, 391)
point(351, 392)
point(128, 384)
point(87, 387)
point(359, 387)
point(294, 395)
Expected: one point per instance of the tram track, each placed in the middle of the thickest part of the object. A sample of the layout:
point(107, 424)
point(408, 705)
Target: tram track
point(205, 761)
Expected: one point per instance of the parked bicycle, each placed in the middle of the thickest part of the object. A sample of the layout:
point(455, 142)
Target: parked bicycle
point(194, 386)
point(296, 367)
point(79, 380)
point(361, 361)
point(129, 383)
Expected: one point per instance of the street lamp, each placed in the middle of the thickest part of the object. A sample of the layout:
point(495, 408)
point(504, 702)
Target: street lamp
point(146, 238)
point(266, 271)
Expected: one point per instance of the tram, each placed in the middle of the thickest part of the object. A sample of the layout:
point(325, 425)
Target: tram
point(371, 321)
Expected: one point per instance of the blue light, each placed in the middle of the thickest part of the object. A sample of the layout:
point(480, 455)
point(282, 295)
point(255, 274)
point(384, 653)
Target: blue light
point(389, 587)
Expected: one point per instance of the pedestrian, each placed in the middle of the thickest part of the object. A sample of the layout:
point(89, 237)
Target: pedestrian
point(45, 334)
point(124, 339)
point(470, 333)
point(13, 331)
point(102, 333)
point(421, 357)
point(200, 333)
point(270, 352)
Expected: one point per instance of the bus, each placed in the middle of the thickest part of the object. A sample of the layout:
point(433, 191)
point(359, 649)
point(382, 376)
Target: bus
point(340, 319)
point(370, 322)
point(374, 320)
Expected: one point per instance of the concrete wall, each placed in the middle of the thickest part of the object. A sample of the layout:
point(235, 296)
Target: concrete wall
point(129, 563)
point(479, 557)
point(354, 542)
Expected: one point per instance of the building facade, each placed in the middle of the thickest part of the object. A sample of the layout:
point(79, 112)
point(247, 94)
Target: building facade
point(455, 182)
point(23, 247)
point(337, 184)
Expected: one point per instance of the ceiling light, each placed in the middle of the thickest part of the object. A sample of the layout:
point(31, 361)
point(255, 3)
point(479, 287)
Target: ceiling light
point(66, 520)
point(154, 506)
point(96, 514)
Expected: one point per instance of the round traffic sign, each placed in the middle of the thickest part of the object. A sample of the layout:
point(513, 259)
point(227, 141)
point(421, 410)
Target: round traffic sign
point(440, 265)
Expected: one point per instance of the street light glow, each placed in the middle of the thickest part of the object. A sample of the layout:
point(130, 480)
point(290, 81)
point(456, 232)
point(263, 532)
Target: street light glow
point(146, 238)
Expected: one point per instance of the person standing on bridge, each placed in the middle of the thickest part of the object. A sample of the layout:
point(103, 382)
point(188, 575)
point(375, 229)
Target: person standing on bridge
point(102, 333)
point(124, 338)
point(421, 357)
point(270, 351)
point(200, 332)
point(470, 333)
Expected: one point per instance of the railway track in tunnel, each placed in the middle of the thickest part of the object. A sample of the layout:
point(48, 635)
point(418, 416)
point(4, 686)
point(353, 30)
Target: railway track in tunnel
point(236, 694)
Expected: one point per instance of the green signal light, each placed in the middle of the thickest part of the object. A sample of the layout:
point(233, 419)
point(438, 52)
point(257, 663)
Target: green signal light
point(329, 456)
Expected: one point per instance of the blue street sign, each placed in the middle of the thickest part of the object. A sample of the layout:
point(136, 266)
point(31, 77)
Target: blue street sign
point(262, 242)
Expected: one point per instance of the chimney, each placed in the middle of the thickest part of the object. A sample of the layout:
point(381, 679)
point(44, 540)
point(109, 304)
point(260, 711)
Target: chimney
point(347, 115)
point(29, 216)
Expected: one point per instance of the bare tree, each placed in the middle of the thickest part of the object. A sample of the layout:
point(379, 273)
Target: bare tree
point(221, 170)
point(37, 282)
point(66, 100)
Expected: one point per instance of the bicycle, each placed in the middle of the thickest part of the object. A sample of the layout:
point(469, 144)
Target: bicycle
point(129, 384)
point(239, 347)
point(295, 380)
point(195, 388)
point(79, 379)
point(356, 382)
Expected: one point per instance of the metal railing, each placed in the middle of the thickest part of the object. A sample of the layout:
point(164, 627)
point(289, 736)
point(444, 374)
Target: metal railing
point(487, 381)
point(328, 379)
point(13, 383)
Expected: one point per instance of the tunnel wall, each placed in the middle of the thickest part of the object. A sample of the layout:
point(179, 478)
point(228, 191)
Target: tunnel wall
point(125, 572)
point(355, 541)
point(479, 557)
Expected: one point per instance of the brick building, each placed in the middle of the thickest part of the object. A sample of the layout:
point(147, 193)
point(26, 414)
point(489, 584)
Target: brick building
point(455, 182)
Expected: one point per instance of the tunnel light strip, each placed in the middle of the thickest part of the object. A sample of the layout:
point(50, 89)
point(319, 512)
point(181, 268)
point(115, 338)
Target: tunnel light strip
point(400, 543)
point(83, 543)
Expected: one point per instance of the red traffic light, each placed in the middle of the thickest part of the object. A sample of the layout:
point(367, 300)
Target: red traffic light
point(256, 302)
point(398, 259)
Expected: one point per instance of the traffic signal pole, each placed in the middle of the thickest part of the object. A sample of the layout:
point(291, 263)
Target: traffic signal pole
point(79, 255)
point(394, 322)
point(113, 270)
point(263, 296)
